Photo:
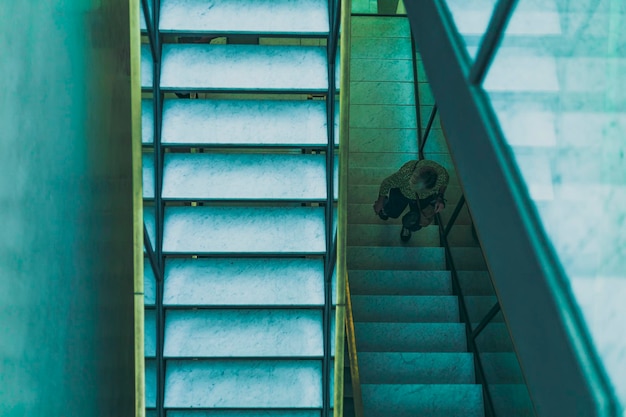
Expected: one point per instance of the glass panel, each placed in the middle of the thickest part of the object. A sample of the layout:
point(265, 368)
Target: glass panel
point(507, 388)
point(558, 94)
point(531, 18)
point(471, 19)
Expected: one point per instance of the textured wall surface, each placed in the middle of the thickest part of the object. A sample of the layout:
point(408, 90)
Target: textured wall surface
point(66, 246)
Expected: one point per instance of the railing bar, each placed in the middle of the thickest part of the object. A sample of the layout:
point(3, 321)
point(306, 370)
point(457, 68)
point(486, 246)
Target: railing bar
point(431, 119)
point(357, 395)
point(486, 320)
point(455, 214)
point(491, 40)
point(418, 112)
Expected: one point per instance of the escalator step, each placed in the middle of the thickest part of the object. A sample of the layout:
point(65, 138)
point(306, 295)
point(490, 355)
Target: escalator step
point(243, 333)
point(256, 176)
point(410, 337)
point(244, 282)
point(244, 68)
point(405, 308)
point(416, 368)
point(306, 17)
point(266, 230)
point(243, 384)
point(245, 122)
point(409, 400)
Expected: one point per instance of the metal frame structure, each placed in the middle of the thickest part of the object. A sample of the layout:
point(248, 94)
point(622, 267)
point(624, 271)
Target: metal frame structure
point(155, 254)
point(560, 365)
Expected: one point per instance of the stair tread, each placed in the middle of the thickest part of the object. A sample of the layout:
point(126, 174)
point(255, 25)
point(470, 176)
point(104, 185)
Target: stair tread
point(389, 235)
point(243, 413)
point(243, 333)
point(362, 213)
point(244, 67)
point(244, 281)
point(405, 308)
point(256, 176)
point(410, 337)
point(203, 229)
point(380, 282)
point(427, 400)
point(245, 122)
point(403, 258)
point(416, 368)
point(243, 384)
point(245, 16)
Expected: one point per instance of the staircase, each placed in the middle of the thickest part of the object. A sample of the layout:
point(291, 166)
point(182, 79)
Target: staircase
point(412, 348)
point(243, 313)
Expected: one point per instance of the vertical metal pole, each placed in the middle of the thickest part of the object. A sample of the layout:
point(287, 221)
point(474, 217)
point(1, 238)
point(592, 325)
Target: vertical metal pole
point(416, 91)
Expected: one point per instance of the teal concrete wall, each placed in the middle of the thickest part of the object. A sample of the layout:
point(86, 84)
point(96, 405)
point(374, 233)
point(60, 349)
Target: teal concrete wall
point(66, 271)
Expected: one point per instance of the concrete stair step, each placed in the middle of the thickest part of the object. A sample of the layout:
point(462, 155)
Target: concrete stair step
point(308, 17)
point(388, 258)
point(243, 333)
point(200, 67)
point(416, 368)
point(410, 337)
point(244, 282)
point(362, 213)
point(425, 400)
point(389, 235)
point(395, 282)
point(405, 308)
point(291, 123)
point(243, 384)
point(224, 229)
point(244, 176)
point(364, 194)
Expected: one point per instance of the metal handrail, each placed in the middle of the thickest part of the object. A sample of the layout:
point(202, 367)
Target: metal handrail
point(357, 395)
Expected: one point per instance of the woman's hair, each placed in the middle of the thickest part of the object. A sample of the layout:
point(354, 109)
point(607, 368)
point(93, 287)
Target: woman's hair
point(428, 176)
